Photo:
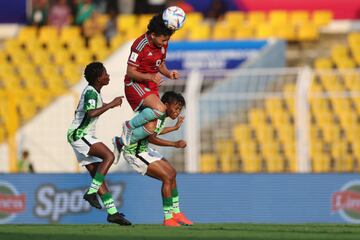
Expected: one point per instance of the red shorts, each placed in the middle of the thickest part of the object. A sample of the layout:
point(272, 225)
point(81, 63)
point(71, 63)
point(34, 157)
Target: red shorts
point(136, 93)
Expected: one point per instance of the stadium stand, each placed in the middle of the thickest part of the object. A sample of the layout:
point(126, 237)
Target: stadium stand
point(42, 64)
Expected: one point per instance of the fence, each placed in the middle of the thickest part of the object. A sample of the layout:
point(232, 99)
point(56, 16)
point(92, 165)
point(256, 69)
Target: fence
point(270, 120)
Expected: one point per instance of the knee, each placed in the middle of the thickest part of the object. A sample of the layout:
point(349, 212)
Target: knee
point(160, 107)
point(110, 158)
point(173, 175)
point(167, 179)
point(150, 126)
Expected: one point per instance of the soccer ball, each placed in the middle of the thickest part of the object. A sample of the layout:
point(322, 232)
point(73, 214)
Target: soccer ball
point(174, 17)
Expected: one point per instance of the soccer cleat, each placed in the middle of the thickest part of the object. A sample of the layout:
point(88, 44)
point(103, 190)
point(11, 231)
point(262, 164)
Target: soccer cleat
point(171, 223)
point(117, 148)
point(180, 218)
point(126, 134)
point(93, 200)
point(118, 218)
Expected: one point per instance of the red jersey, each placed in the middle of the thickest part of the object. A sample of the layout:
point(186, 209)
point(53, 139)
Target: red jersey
point(147, 58)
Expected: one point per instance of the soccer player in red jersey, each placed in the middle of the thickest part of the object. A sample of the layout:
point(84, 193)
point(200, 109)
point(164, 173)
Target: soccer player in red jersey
point(146, 66)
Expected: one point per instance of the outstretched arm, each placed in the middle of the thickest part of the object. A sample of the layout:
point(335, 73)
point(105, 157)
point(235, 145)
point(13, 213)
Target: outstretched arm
point(173, 128)
point(137, 76)
point(154, 139)
point(173, 74)
point(106, 106)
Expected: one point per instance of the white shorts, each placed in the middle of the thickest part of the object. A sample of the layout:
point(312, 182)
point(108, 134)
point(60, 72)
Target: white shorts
point(82, 147)
point(141, 161)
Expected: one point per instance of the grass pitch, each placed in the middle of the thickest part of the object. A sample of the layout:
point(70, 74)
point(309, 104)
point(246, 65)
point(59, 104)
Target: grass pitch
point(198, 231)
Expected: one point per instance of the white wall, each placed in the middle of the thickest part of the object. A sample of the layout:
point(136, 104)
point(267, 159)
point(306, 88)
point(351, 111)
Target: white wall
point(45, 135)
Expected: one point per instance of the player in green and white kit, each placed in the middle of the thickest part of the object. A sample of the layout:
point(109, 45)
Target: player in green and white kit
point(147, 161)
point(89, 151)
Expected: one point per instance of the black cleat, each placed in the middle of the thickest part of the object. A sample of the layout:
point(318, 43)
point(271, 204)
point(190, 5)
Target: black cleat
point(93, 200)
point(118, 218)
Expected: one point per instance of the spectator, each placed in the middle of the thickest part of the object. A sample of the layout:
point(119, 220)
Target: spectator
point(156, 6)
point(85, 10)
point(39, 13)
point(92, 27)
point(216, 11)
point(60, 14)
point(149, 6)
point(111, 26)
point(24, 164)
point(126, 6)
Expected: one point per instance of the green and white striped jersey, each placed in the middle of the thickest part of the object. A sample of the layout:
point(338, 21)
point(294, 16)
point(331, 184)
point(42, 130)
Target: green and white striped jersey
point(143, 145)
point(82, 125)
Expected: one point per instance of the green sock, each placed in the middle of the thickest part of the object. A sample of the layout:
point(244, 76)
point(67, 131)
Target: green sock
point(175, 200)
point(144, 116)
point(96, 183)
point(167, 205)
point(109, 203)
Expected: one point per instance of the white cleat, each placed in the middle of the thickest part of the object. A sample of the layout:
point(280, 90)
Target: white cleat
point(126, 134)
point(117, 148)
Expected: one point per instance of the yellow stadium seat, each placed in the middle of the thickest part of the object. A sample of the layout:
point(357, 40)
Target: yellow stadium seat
point(339, 51)
point(70, 34)
point(244, 32)
point(264, 31)
point(48, 34)
point(82, 57)
point(143, 21)
point(3, 58)
point(322, 18)
point(323, 63)
point(228, 163)
point(41, 58)
point(193, 19)
point(354, 40)
point(26, 33)
point(308, 32)
point(12, 45)
point(61, 57)
point(250, 163)
point(278, 18)
point(321, 163)
point(299, 17)
point(234, 18)
point(103, 19)
point(116, 41)
point(97, 42)
point(180, 35)
point(345, 63)
point(257, 116)
point(134, 33)
point(225, 147)
point(274, 163)
point(241, 131)
point(200, 32)
point(286, 32)
point(125, 22)
point(100, 54)
point(208, 163)
point(222, 31)
point(71, 73)
point(255, 18)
